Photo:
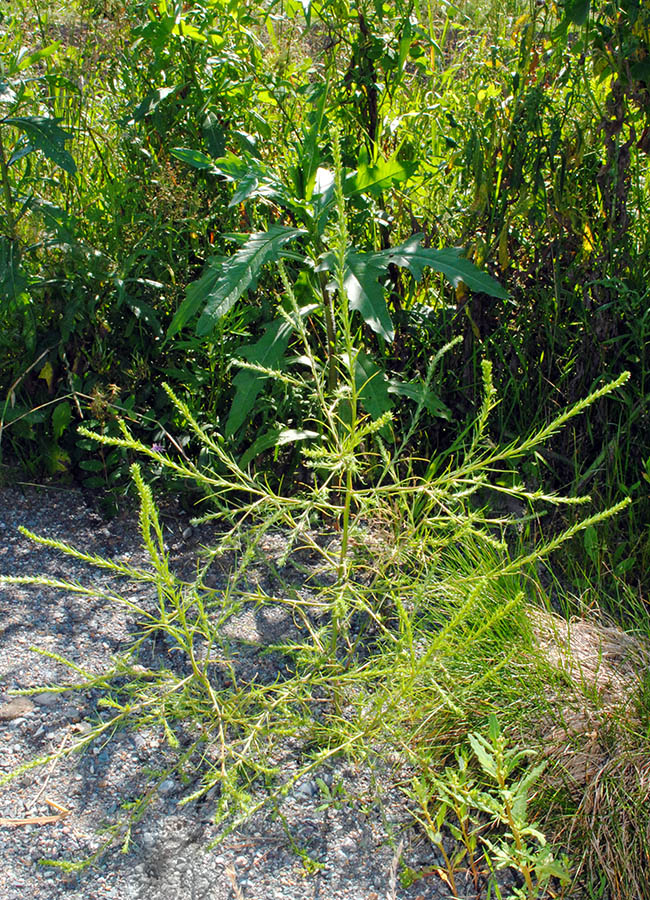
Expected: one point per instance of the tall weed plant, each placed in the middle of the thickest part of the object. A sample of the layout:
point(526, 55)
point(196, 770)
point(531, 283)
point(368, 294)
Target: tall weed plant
point(405, 611)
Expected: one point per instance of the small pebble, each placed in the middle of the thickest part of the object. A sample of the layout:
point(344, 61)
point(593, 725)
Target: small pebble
point(147, 840)
point(15, 708)
point(47, 698)
point(166, 787)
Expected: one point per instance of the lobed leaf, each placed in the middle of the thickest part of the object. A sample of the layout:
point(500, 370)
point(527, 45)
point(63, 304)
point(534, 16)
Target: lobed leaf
point(448, 261)
point(373, 387)
point(266, 352)
point(44, 134)
point(226, 279)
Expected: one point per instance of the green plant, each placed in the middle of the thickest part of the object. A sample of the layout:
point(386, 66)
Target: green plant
point(406, 632)
point(480, 808)
point(518, 131)
point(309, 202)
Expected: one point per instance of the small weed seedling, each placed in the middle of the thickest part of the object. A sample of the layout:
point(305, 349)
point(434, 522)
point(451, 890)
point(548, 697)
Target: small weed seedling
point(488, 820)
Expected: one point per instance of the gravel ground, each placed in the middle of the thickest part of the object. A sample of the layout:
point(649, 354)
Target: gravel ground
point(361, 847)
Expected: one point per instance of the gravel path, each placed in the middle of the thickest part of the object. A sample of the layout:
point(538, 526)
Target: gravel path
point(360, 846)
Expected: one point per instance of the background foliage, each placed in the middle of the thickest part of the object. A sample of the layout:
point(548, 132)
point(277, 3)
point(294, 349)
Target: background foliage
point(146, 149)
point(188, 191)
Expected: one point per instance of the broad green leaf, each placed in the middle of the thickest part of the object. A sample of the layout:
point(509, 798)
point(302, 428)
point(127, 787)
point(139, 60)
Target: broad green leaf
point(364, 291)
point(291, 435)
point(257, 180)
point(240, 272)
point(252, 177)
point(47, 374)
point(21, 149)
point(494, 729)
point(231, 167)
point(576, 11)
point(26, 59)
point(276, 437)
point(59, 221)
point(373, 387)
point(56, 459)
point(266, 352)
point(306, 6)
point(247, 142)
point(521, 789)
point(92, 465)
point(196, 159)
point(61, 417)
point(150, 104)
point(184, 29)
point(374, 179)
point(411, 255)
point(214, 135)
point(322, 197)
point(366, 294)
point(485, 758)
point(197, 294)
point(45, 135)
point(94, 481)
point(323, 189)
point(641, 70)
point(416, 391)
point(310, 150)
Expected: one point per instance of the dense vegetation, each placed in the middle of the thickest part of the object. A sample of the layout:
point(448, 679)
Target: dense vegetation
point(374, 276)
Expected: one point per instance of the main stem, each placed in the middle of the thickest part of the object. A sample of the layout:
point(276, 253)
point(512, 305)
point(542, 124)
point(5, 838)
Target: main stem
point(519, 844)
point(330, 329)
point(6, 189)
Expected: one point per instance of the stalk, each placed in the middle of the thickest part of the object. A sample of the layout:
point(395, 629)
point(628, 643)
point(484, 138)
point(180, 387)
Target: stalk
point(330, 328)
point(6, 189)
point(346, 441)
point(519, 844)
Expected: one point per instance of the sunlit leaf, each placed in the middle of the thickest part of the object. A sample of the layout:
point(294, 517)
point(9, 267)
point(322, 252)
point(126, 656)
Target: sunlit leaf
point(61, 417)
point(47, 374)
point(45, 135)
point(240, 272)
point(150, 104)
point(213, 135)
point(26, 59)
point(276, 437)
point(184, 29)
point(373, 387)
point(364, 291)
point(379, 176)
point(266, 352)
point(449, 261)
point(196, 159)
point(225, 279)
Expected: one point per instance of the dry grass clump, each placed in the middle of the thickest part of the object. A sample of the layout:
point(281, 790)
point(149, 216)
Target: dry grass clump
point(614, 817)
point(598, 740)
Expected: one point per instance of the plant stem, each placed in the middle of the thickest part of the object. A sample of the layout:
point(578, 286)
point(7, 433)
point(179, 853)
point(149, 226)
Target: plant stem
point(6, 188)
point(519, 844)
point(328, 311)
